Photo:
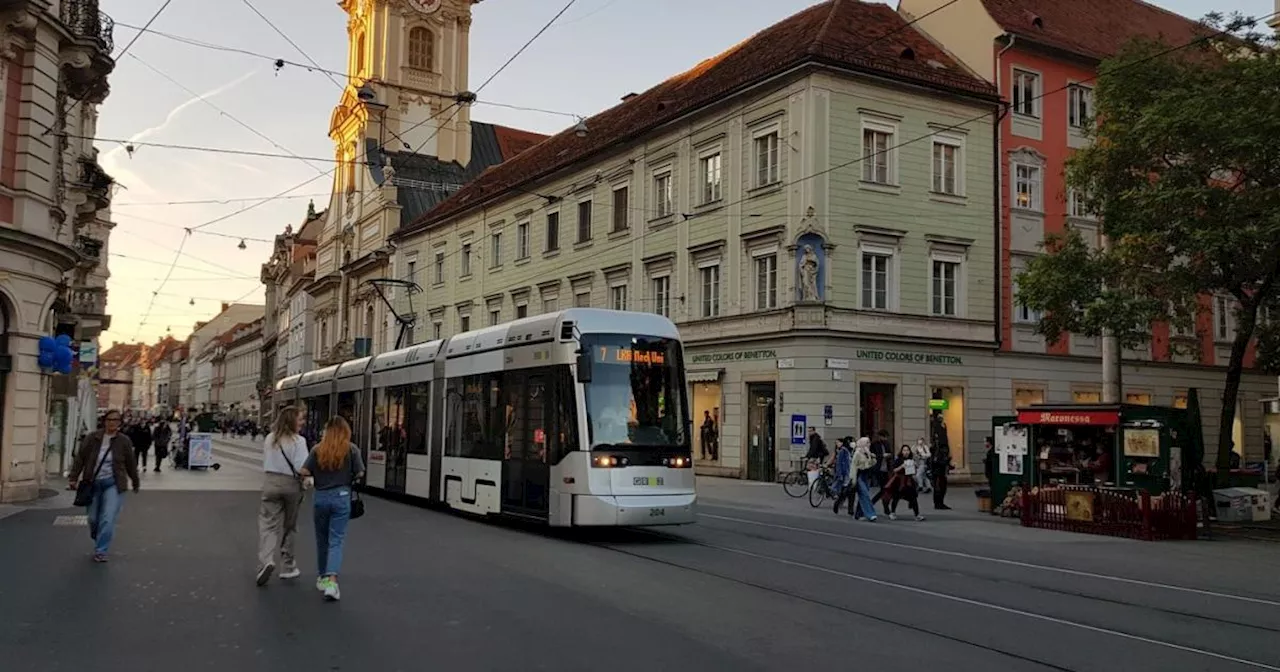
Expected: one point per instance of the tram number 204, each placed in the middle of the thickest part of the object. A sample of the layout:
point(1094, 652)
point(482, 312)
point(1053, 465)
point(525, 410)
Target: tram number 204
point(657, 513)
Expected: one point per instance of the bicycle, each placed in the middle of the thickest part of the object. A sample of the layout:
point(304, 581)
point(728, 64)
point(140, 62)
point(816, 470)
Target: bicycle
point(796, 483)
point(823, 488)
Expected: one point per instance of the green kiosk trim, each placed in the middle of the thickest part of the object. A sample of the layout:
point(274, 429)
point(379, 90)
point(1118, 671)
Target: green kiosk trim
point(1146, 447)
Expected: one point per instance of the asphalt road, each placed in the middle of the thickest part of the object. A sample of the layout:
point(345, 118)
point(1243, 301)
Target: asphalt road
point(741, 590)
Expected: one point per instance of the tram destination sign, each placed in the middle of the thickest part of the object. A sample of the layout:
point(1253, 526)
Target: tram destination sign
point(735, 356)
point(908, 357)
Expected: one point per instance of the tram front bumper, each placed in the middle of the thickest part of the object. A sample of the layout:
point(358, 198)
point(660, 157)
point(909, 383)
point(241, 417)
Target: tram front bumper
point(634, 510)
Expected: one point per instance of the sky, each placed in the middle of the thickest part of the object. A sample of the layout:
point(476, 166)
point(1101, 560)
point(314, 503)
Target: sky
point(597, 52)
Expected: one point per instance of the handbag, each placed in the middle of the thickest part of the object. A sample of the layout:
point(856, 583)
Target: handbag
point(296, 476)
point(357, 504)
point(84, 491)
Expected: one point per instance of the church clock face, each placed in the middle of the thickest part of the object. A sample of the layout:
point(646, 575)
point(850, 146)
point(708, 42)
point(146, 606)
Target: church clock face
point(425, 6)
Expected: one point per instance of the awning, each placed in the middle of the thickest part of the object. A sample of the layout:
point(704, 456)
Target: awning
point(706, 376)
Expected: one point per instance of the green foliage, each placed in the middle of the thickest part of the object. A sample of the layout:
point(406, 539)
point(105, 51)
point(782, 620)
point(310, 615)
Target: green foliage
point(1184, 171)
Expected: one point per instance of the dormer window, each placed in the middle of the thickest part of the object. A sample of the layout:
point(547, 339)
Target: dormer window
point(422, 46)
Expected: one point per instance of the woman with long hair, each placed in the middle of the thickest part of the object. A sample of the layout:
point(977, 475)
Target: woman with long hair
point(283, 453)
point(336, 466)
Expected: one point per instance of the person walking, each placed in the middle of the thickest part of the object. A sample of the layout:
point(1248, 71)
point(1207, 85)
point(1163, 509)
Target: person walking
point(140, 435)
point(903, 483)
point(106, 460)
point(864, 470)
point(921, 454)
point(335, 465)
point(284, 452)
point(161, 436)
point(842, 481)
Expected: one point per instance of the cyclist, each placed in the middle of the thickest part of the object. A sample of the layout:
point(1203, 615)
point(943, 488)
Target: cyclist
point(818, 454)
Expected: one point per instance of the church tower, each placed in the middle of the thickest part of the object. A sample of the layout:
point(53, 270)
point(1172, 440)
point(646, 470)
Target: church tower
point(412, 56)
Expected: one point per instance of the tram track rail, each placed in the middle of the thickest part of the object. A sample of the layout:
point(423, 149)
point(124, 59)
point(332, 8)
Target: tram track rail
point(990, 606)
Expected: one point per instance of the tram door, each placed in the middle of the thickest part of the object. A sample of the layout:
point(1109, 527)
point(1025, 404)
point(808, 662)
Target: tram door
point(526, 471)
point(397, 439)
point(761, 432)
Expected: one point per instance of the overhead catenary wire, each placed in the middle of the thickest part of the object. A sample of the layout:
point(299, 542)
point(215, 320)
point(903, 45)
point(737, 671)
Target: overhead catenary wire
point(279, 62)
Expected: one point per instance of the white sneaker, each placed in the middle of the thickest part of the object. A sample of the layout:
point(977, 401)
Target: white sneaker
point(918, 519)
point(264, 574)
point(331, 592)
point(320, 584)
point(893, 516)
point(291, 573)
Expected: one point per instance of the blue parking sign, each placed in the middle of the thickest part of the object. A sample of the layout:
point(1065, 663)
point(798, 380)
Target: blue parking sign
point(798, 426)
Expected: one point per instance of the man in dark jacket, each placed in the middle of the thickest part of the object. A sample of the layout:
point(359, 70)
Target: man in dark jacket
point(818, 452)
point(161, 436)
point(105, 459)
point(140, 435)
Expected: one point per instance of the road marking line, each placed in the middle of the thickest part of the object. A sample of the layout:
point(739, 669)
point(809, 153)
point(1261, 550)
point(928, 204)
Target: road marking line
point(997, 607)
point(1003, 561)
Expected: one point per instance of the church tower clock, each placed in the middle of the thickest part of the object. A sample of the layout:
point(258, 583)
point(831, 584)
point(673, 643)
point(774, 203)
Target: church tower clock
point(412, 55)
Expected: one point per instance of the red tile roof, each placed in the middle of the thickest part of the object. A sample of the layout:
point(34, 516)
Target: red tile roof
point(865, 37)
point(513, 141)
point(1093, 28)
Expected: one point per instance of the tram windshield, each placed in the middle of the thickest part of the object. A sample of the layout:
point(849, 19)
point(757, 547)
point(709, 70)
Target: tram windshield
point(636, 396)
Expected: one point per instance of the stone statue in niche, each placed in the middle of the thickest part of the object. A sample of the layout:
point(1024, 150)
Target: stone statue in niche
point(809, 275)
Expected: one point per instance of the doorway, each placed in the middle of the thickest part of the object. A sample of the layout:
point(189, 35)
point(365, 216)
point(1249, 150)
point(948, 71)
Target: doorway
point(761, 432)
point(878, 409)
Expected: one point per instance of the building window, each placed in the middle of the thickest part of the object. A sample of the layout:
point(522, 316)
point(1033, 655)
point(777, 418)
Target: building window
point(495, 317)
point(946, 166)
point(709, 176)
point(877, 155)
point(522, 240)
point(663, 195)
point(710, 288)
point(1021, 312)
point(411, 270)
point(768, 168)
point(875, 280)
point(582, 299)
point(766, 272)
point(944, 287)
point(1026, 90)
point(439, 268)
point(1076, 206)
point(360, 49)
point(421, 48)
point(621, 209)
point(1079, 106)
point(1027, 188)
point(553, 231)
point(495, 249)
point(522, 311)
point(550, 304)
point(437, 329)
point(584, 221)
point(466, 259)
point(618, 297)
point(662, 295)
point(464, 323)
point(1223, 318)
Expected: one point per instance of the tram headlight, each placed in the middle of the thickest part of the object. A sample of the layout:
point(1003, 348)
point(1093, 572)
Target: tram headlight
point(604, 461)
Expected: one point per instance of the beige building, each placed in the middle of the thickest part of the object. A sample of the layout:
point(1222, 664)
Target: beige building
point(197, 370)
point(242, 365)
point(820, 269)
point(288, 327)
point(404, 144)
point(54, 225)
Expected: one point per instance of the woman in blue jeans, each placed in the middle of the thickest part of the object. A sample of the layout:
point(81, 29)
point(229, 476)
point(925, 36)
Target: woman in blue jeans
point(107, 460)
point(335, 466)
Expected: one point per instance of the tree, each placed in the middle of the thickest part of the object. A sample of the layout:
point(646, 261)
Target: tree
point(1184, 172)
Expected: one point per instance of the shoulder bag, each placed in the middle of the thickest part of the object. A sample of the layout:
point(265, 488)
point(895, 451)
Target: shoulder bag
point(357, 504)
point(84, 490)
point(296, 476)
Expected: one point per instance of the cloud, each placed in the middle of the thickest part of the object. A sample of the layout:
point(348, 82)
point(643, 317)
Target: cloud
point(173, 114)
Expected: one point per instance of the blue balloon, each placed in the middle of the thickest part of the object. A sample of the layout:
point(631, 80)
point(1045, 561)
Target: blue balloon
point(47, 343)
point(45, 359)
point(63, 339)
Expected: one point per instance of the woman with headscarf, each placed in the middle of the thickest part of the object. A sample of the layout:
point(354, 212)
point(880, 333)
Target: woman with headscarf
point(864, 466)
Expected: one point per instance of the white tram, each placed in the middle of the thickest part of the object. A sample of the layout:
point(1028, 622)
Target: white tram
point(574, 418)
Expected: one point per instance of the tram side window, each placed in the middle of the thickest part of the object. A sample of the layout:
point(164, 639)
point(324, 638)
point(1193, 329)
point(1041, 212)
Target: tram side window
point(480, 420)
point(515, 412)
point(562, 413)
point(395, 419)
point(454, 403)
point(416, 408)
point(381, 432)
